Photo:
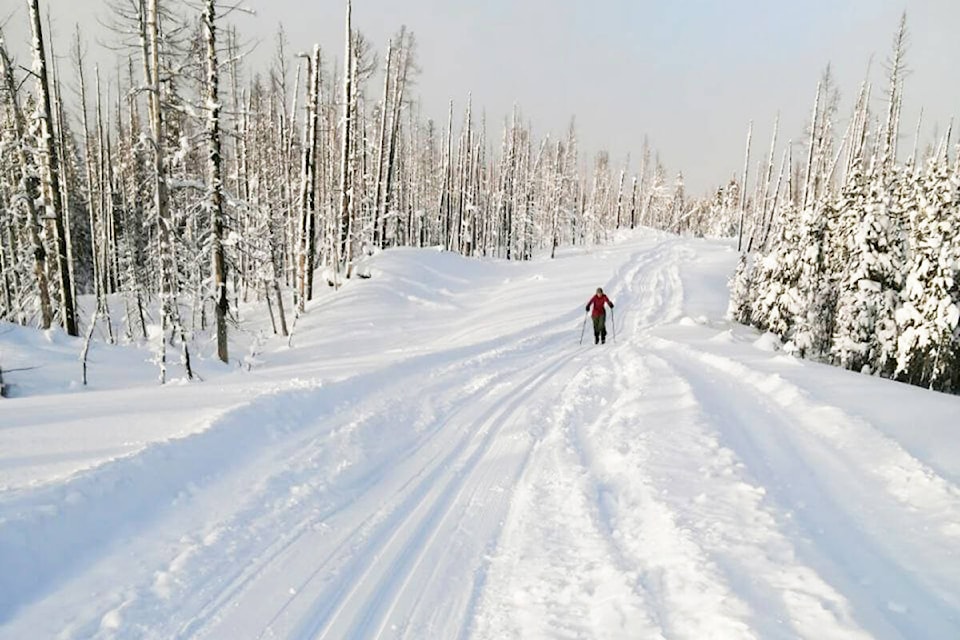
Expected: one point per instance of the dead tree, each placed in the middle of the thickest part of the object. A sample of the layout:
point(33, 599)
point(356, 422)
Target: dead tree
point(168, 281)
point(215, 181)
point(308, 183)
point(346, 158)
point(53, 196)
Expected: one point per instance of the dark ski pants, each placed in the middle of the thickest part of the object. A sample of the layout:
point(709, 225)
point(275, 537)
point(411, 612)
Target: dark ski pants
point(600, 328)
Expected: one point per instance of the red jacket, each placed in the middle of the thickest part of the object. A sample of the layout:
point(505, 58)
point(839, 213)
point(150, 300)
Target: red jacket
point(597, 301)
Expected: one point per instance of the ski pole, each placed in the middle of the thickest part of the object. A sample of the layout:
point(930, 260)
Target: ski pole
point(583, 327)
point(613, 325)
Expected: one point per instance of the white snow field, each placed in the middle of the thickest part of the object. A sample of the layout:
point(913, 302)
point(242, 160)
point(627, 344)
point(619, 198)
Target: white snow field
point(435, 456)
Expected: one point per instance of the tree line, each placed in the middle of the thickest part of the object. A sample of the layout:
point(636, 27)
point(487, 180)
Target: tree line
point(853, 257)
point(180, 185)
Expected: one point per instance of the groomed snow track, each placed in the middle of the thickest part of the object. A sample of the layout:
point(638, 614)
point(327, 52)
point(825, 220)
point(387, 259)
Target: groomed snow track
point(496, 480)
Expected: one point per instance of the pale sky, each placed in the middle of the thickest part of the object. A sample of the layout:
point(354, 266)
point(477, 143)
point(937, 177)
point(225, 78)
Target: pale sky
point(690, 74)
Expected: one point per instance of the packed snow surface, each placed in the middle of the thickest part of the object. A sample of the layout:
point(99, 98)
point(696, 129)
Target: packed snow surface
point(435, 455)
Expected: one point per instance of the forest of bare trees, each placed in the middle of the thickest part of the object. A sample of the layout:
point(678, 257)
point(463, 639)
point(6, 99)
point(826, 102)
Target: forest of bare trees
point(852, 256)
point(181, 185)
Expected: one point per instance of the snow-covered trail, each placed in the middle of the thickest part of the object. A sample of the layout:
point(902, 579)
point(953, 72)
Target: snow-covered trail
point(728, 503)
point(436, 457)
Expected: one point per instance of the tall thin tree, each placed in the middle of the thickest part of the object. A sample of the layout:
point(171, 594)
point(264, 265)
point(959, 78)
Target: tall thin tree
point(53, 196)
point(215, 196)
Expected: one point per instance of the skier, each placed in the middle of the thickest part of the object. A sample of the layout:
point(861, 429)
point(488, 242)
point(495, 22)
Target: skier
point(599, 315)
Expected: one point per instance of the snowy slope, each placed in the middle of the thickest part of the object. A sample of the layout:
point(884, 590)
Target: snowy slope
point(435, 456)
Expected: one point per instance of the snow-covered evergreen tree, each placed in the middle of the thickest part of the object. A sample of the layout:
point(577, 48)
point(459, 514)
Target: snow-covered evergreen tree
point(779, 300)
point(741, 290)
point(928, 348)
point(814, 322)
point(871, 255)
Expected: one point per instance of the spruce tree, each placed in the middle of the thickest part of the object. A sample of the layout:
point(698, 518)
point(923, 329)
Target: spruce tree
point(814, 321)
point(871, 255)
point(779, 300)
point(928, 348)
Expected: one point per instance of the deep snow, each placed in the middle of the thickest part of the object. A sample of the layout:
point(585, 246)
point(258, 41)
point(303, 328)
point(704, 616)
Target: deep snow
point(435, 456)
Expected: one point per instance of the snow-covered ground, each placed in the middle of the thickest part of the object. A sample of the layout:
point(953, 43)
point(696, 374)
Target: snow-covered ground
point(435, 456)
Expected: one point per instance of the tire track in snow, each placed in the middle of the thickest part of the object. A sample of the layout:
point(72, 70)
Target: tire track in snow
point(726, 558)
point(893, 556)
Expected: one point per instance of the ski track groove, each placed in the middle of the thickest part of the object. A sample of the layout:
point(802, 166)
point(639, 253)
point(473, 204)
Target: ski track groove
point(422, 479)
point(739, 537)
point(843, 536)
point(249, 574)
point(104, 486)
point(491, 422)
point(638, 262)
point(513, 403)
point(239, 580)
point(592, 383)
point(896, 468)
point(295, 453)
point(114, 492)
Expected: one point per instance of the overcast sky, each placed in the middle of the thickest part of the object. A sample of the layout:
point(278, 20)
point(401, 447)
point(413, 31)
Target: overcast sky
point(690, 74)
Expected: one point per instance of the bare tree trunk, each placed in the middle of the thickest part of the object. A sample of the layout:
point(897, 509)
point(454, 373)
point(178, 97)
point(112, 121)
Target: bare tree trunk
point(108, 242)
point(63, 170)
point(292, 239)
point(9, 276)
point(743, 187)
point(444, 206)
point(558, 184)
point(91, 190)
point(215, 182)
point(758, 226)
point(92, 208)
point(345, 155)
point(897, 70)
point(465, 175)
point(378, 213)
point(404, 61)
point(169, 286)
point(133, 198)
point(858, 129)
point(308, 182)
point(768, 224)
point(151, 63)
point(52, 193)
point(623, 174)
point(811, 151)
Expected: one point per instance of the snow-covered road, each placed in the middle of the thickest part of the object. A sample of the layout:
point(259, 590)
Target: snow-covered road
point(436, 456)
